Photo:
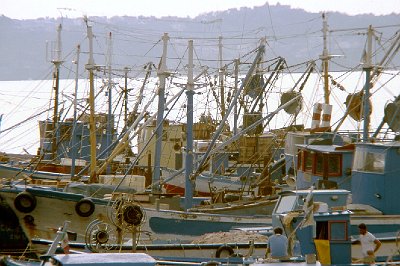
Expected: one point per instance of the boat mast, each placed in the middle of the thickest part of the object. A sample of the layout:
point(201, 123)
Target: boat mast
point(325, 58)
point(56, 85)
point(109, 117)
point(221, 125)
point(235, 111)
point(162, 75)
point(367, 69)
point(189, 184)
point(126, 71)
point(73, 140)
point(221, 73)
point(92, 126)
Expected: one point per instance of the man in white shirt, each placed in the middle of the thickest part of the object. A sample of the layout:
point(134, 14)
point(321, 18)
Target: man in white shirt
point(369, 244)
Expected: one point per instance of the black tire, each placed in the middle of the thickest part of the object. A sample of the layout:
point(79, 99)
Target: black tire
point(25, 202)
point(223, 250)
point(85, 207)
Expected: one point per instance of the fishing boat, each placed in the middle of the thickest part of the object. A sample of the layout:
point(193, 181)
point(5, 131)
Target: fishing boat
point(372, 182)
point(165, 254)
point(324, 234)
point(318, 235)
point(32, 206)
point(366, 168)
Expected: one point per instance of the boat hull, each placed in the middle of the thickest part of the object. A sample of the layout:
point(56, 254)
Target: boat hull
point(54, 207)
point(13, 172)
point(205, 184)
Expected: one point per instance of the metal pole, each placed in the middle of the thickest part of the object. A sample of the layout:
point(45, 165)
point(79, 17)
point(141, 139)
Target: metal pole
point(367, 69)
point(162, 74)
point(189, 184)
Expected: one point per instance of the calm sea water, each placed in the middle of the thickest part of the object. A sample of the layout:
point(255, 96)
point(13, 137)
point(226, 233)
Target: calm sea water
point(24, 103)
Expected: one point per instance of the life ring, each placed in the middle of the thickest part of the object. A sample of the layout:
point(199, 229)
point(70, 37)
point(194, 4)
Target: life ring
point(85, 207)
point(25, 202)
point(225, 249)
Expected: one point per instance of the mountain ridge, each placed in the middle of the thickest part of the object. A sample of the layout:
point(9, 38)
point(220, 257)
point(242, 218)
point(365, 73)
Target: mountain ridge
point(293, 34)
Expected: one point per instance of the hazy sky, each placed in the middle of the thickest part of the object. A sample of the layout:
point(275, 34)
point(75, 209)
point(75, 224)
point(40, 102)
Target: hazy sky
point(26, 9)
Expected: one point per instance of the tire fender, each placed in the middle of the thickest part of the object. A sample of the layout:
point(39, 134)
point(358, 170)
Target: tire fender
point(224, 249)
point(25, 202)
point(85, 207)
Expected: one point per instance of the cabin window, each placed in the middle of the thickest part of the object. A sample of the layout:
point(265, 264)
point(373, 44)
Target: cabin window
point(286, 204)
point(319, 164)
point(331, 164)
point(308, 161)
point(338, 230)
point(366, 160)
point(332, 230)
point(334, 164)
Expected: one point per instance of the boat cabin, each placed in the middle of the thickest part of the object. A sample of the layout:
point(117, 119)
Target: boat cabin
point(324, 229)
point(324, 200)
point(306, 138)
point(375, 176)
point(324, 166)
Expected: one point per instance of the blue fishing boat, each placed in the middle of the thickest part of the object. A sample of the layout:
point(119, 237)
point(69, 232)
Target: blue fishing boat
point(368, 170)
point(363, 162)
point(326, 233)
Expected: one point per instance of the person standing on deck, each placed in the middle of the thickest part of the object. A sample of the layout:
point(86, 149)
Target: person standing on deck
point(369, 244)
point(277, 244)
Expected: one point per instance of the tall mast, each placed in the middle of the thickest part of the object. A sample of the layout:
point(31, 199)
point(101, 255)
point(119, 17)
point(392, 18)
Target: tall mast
point(56, 85)
point(221, 77)
point(73, 140)
point(162, 75)
point(325, 58)
point(189, 132)
point(367, 69)
point(109, 118)
point(235, 112)
point(221, 125)
point(92, 126)
point(126, 70)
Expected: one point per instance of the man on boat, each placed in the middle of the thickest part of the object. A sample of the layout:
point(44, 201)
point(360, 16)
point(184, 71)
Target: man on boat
point(369, 244)
point(277, 244)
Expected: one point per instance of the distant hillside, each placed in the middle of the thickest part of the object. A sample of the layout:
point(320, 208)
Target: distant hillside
point(291, 33)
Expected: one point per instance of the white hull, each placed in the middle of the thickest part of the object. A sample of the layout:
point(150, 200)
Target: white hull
point(159, 225)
